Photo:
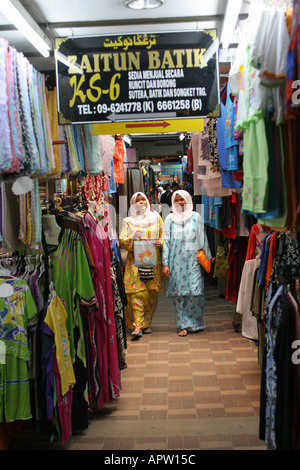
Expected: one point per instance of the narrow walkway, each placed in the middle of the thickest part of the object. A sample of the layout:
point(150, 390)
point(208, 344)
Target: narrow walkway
point(200, 392)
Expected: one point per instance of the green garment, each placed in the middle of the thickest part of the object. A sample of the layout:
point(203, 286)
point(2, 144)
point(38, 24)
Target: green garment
point(74, 285)
point(255, 166)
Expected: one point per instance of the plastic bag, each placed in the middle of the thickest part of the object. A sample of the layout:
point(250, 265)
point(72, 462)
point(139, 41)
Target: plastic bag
point(144, 253)
point(204, 261)
point(221, 266)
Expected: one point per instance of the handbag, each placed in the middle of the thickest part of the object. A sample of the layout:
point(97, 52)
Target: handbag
point(204, 261)
point(221, 266)
point(146, 274)
point(144, 253)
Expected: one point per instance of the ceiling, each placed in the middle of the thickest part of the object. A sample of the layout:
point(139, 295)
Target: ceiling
point(68, 18)
point(60, 18)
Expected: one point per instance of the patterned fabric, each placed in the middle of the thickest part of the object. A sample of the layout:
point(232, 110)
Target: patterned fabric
point(146, 273)
point(180, 249)
point(186, 282)
point(140, 309)
point(293, 59)
point(213, 146)
point(273, 319)
point(119, 320)
point(132, 281)
point(189, 312)
point(286, 265)
point(15, 312)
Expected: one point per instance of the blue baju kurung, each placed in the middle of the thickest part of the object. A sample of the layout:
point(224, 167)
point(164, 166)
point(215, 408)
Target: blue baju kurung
point(186, 282)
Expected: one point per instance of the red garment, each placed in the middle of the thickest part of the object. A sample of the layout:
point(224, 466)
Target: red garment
point(64, 406)
point(256, 238)
point(94, 187)
point(118, 161)
point(230, 231)
point(236, 261)
point(190, 163)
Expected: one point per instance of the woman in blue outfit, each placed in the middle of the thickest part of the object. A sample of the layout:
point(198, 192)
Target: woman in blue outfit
point(184, 235)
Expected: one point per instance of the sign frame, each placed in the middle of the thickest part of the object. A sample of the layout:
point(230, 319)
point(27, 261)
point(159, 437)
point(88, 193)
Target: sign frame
point(115, 78)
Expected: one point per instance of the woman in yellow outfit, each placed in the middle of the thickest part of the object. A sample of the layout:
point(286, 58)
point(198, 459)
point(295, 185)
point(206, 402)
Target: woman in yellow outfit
point(142, 294)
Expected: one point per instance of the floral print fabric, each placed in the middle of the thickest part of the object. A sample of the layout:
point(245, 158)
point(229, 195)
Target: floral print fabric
point(132, 281)
point(181, 246)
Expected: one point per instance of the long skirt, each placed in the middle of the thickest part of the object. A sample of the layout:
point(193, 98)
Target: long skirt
point(140, 309)
point(189, 312)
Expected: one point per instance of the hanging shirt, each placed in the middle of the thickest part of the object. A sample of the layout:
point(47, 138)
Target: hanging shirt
point(15, 312)
point(56, 317)
point(118, 161)
point(73, 283)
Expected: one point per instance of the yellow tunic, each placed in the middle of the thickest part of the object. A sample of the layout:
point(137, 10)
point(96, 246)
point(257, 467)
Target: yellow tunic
point(132, 281)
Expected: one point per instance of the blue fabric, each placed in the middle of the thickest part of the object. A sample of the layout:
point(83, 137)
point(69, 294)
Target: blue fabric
point(211, 213)
point(189, 312)
point(181, 246)
point(228, 158)
point(264, 260)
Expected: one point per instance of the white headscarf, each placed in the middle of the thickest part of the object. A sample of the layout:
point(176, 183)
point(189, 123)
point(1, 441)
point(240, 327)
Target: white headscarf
point(177, 215)
point(144, 218)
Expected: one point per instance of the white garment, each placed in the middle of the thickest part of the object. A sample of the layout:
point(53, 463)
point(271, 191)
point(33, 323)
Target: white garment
point(107, 149)
point(270, 46)
point(258, 72)
point(204, 167)
point(249, 322)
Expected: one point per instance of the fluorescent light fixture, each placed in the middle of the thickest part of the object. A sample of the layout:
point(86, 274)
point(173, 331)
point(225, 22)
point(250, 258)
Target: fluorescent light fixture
point(20, 18)
point(144, 4)
point(210, 52)
point(127, 139)
point(75, 68)
point(231, 15)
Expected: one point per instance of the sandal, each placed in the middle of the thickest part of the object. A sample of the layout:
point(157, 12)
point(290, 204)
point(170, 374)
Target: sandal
point(147, 330)
point(183, 332)
point(137, 332)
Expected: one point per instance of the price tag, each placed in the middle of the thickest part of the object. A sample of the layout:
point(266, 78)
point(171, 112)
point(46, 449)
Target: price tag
point(2, 352)
point(6, 290)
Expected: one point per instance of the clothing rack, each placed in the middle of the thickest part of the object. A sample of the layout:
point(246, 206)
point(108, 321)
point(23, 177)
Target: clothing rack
point(137, 164)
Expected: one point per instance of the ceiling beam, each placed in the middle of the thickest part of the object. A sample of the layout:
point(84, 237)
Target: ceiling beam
point(127, 22)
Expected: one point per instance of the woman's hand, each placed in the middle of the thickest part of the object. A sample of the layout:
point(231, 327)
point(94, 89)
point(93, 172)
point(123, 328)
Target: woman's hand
point(157, 243)
point(137, 234)
point(165, 271)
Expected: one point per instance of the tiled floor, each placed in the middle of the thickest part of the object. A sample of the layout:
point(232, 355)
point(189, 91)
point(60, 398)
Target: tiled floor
point(197, 392)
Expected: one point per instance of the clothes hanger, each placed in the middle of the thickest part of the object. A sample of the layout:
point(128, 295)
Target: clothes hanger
point(4, 272)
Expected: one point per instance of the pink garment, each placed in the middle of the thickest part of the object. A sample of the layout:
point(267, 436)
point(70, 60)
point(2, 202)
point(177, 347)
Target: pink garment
point(108, 363)
point(64, 406)
point(244, 300)
point(107, 148)
point(15, 163)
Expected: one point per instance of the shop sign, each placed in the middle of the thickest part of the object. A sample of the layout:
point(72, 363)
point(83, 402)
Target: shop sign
point(170, 169)
point(137, 77)
point(149, 127)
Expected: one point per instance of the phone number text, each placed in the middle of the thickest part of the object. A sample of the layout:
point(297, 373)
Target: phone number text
point(140, 106)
